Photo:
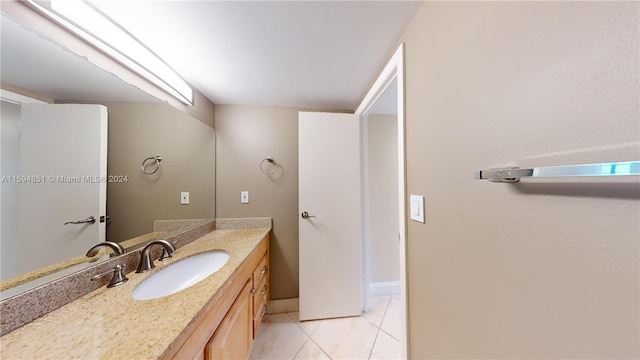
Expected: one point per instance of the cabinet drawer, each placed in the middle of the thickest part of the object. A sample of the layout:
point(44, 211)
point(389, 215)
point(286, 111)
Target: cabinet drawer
point(261, 271)
point(260, 295)
point(257, 320)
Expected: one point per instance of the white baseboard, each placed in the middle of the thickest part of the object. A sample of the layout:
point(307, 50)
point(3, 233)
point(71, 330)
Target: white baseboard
point(293, 305)
point(384, 288)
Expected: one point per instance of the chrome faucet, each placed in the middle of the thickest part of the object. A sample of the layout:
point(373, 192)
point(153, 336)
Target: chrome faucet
point(117, 249)
point(145, 254)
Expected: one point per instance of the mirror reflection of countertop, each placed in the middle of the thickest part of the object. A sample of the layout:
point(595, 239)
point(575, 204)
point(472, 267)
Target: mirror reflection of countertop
point(43, 275)
point(109, 324)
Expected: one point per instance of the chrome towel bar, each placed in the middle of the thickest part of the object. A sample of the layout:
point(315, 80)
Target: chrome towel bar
point(601, 169)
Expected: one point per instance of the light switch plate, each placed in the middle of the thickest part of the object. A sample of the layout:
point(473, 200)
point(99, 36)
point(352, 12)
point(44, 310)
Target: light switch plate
point(417, 208)
point(244, 197)
point(184, 198)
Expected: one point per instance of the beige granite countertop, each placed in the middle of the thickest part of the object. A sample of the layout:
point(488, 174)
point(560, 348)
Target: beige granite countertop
point(109, 324)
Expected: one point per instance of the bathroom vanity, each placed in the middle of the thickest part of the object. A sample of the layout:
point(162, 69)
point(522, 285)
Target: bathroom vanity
point(217, 317)
point(225, 329)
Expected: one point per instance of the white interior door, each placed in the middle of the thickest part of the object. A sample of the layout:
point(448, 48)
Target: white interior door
point(330, 192)
point(63, 148)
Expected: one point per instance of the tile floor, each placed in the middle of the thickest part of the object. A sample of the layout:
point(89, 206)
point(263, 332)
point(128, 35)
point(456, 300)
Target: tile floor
point(374, 335)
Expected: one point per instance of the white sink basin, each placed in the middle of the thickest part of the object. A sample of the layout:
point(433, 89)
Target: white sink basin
point(180, 275)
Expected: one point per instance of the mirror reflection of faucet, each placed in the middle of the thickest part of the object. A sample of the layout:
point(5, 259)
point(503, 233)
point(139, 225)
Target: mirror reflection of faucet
point(117, 249)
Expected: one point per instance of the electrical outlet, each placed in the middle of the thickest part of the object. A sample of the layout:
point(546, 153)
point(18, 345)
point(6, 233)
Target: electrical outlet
point(184, 198)
point(244, 197)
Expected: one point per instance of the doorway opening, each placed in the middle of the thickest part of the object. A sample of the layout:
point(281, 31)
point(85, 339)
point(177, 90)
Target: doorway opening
point(383, 190)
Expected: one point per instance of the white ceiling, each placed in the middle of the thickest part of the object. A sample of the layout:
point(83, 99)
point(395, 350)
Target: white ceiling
point(305, 54)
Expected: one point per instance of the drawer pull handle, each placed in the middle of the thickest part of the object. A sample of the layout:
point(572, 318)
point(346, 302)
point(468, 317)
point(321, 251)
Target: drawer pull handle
point(264, 270)
point(253, 291)
point(264, 311)
point(264, 291)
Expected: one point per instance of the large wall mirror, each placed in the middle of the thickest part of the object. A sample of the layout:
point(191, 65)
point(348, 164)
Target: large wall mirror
point(138, 126)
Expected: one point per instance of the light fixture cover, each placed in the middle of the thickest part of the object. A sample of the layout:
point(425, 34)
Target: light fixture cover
point(87, 21)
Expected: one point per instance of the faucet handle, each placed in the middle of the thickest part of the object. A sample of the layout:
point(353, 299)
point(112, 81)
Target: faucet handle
point(118, 276)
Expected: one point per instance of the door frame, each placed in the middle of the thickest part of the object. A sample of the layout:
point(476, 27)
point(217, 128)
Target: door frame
point(10, 251)
point(393, 70)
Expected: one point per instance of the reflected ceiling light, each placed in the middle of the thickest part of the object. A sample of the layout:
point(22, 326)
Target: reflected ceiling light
point(87, 21)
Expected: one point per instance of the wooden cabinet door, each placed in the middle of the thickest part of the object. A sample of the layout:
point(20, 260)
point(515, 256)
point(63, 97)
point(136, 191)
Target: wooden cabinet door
point(232, 339)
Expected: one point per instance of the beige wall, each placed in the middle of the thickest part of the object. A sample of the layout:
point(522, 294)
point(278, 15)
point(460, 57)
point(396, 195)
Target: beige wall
point(539, 269)
point(245, 136)
point(187, 147)
point(382, 185)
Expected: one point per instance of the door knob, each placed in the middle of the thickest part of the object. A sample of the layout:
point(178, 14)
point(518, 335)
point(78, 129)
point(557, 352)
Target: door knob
point(89, 220)
point(305, 215)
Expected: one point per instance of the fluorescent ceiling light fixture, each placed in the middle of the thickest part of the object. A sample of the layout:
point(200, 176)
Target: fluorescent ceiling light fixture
point(87, 21)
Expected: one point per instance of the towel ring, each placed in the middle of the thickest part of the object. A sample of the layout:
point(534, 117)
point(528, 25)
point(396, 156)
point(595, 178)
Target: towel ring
point(265, 168)
point(156, 160)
